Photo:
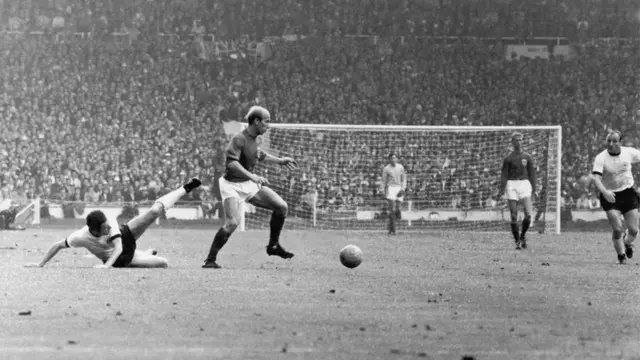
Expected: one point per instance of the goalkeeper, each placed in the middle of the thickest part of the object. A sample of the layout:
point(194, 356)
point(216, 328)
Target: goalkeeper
point(394, 183)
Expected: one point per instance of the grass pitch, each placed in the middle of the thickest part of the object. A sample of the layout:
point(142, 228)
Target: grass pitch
point(433, 296)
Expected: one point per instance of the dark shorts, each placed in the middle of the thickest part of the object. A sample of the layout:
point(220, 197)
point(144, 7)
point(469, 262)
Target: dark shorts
point(128, 247)
point(626, 200)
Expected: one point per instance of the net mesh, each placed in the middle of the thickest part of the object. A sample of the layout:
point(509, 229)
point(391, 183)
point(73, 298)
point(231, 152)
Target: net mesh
point(453, 176)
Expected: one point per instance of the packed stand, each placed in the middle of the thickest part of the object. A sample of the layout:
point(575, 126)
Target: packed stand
point(94, 120)
point(258, 18)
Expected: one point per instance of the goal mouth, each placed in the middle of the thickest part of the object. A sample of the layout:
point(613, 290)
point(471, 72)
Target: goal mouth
point(453, 176)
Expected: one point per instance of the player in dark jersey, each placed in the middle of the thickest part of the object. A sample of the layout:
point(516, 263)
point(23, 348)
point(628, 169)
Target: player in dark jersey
point(239, 184)
point(519, 184)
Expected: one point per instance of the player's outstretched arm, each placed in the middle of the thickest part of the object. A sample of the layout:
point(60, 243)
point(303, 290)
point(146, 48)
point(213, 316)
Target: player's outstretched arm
point(117, 251)
point(53, 250)
point(283, 161)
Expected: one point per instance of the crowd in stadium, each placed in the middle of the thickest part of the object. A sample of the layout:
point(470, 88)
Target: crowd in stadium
point(126, 118)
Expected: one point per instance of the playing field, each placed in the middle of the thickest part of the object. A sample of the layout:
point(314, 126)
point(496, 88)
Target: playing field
point(434, 296)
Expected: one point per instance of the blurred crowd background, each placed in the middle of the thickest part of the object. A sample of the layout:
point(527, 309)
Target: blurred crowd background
point(116, 101)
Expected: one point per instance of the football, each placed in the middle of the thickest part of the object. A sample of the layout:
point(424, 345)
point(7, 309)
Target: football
point(351, 256)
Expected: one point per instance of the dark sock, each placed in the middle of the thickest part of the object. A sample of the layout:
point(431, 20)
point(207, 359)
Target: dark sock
point(525, 225)
point(392, 221)
point(277, 222)
point(514, 231)
point(218, 242)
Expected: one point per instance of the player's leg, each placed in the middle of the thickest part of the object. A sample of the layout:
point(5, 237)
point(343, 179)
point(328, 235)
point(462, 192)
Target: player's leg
point(630, 212)
point(391, 223)
point(141, 223)
point(144, 259)
point(231, 206)
point(615, 220)
point(631, 219)
point(269, 199)
point(527, 204)
point(513, 212)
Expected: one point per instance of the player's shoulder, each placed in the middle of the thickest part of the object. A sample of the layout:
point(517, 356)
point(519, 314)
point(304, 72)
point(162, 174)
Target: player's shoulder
point(602, 155)
point(629, 149)
point(79, 235)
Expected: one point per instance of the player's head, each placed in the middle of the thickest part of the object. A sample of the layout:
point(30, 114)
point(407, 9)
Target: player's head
point(516, 140)
point(97, 223)
point(614, 139)
point(393, 159)
point(260, 118)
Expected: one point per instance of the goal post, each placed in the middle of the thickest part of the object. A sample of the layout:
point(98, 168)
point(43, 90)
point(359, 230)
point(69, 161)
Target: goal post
point(453, 175)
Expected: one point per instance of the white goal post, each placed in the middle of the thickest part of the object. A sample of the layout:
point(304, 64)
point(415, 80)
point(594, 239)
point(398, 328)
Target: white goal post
point(453, 176)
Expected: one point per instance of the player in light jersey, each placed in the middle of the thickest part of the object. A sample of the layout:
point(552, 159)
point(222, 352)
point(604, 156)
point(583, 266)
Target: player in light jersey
point(240, 184)
point(115, 245)
point(618, 197)
point(519, 184)
point(394, 184)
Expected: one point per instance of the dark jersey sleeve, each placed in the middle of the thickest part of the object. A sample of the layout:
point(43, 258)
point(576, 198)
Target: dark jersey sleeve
point(234, 149)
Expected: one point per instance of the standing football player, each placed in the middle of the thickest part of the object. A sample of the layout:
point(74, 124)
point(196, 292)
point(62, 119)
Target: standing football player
point(519, 184)
point(394, 183)
point(240, 184)
point(618, 197)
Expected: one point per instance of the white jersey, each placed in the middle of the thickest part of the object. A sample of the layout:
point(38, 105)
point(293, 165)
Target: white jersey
point(102, 247)
point(616, 169)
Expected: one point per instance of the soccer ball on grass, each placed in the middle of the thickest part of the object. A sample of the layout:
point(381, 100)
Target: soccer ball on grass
point(351, 256)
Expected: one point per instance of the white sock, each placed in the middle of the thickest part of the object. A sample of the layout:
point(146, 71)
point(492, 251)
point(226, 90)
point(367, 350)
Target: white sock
point(171, 198)
point(629, 239)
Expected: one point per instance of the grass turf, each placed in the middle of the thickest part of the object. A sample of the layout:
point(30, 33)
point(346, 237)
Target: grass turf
point(416, 295)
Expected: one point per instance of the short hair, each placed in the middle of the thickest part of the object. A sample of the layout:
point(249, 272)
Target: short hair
point(256, 113)
point(515, 134)
point(614, 132)
point(391, 155)
point(95, 219)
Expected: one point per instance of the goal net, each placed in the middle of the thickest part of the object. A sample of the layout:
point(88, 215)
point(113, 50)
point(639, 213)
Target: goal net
point(453, 176)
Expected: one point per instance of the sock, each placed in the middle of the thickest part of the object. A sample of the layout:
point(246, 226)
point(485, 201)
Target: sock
point(525, 225)
point(392, 221)
point(514, 231)
point(192, 184)
point(277, 222)
point(171, 198)
point(218, 242)
point(630, 238)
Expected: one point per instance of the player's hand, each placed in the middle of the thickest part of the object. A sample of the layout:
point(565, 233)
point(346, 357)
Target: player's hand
point(260, 180)
point(101, 266)
point(289, 163)
point(609, 196)
point(32, 265)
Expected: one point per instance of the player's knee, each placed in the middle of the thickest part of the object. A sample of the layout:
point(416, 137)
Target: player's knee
point(527, 217)
point(282, 209)
point(514, 218)
point(230, 225)
point(633, 230)
point(617, 233)
point(156, 209)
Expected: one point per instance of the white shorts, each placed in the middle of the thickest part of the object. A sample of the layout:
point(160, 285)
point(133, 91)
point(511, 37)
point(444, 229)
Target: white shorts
point(392, 193)
point(518, 189)
point(244, 190)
